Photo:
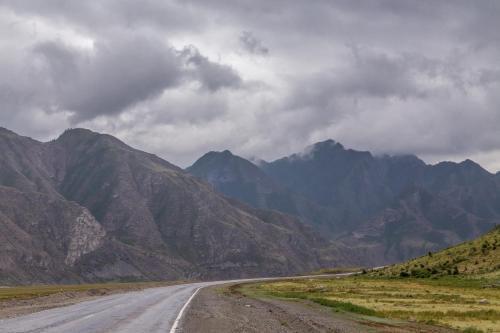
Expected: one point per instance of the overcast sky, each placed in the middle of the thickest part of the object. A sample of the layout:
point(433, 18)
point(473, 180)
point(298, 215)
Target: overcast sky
point(261, 78)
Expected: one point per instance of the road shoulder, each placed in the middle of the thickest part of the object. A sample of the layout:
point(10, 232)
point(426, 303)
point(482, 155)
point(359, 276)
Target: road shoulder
point(15, 308)
point(224, 309)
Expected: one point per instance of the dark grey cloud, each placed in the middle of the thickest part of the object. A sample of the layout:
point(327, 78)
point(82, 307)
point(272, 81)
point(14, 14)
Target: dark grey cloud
point(112, 77)
point(211, 75)
point(101, 16)
point(116, 75)
point(366, 75)
point(251, 44)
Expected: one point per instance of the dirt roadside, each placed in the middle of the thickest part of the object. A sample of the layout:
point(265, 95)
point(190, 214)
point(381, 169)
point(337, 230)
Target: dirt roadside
point(225, 309)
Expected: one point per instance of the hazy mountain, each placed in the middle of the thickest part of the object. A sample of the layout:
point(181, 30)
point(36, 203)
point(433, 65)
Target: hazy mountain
point(416, 223)
point(150, 218)
point(361, 184)
point(395, 206)
point(353, 183)
point(240, 179)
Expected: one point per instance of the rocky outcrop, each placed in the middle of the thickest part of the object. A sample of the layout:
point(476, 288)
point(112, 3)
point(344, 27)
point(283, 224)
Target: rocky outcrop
point(86, 235)
point(42, 237)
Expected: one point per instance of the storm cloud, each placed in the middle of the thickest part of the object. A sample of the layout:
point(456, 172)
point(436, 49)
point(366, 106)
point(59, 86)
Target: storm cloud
point(251, 44)
point(262, 78)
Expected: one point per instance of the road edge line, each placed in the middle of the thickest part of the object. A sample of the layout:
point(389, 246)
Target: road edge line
point(175, 326)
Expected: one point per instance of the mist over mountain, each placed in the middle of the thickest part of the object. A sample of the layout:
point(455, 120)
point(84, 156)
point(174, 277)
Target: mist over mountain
point(396, 206)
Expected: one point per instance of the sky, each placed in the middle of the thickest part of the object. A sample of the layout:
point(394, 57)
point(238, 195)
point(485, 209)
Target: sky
point(262, 78)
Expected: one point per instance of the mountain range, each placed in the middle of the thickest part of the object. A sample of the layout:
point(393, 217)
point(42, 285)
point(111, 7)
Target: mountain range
point(86, 207)
point(394, 207)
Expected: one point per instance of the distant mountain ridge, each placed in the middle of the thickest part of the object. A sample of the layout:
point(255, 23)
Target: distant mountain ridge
point(395, 206)
point(87, 207)
point(240, 179)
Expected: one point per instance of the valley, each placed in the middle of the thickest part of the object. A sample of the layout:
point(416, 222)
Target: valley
point(249, 166)
point(87, 208)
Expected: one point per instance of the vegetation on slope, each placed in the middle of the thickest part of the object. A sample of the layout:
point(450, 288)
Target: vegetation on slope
point(479, 257)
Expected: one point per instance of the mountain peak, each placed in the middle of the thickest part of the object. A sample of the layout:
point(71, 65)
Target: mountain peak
point(77, 132)
point(217, 156)
point(227, 153)
point(327, 145)
point(77, 136)
point(471, 165)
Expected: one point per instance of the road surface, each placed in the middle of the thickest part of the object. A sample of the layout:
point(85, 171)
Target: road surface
point(150, 310)
point(147, 311)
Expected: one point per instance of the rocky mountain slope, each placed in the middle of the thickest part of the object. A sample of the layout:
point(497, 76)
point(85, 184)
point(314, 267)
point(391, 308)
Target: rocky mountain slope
point(416, 223)
point(87, 207)
point(41, 238)
point(240, 179)
point(393, 207)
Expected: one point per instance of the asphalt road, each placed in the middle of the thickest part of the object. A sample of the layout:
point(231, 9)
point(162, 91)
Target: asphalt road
point(151, 310)
point(147, 311)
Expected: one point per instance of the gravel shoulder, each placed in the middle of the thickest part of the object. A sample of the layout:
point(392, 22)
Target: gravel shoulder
point(225, 309)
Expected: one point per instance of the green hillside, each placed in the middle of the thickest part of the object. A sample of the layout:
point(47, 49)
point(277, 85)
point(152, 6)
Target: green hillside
point(479, 257)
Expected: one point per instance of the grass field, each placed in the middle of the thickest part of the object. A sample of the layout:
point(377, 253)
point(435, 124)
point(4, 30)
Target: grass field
point(468, 305)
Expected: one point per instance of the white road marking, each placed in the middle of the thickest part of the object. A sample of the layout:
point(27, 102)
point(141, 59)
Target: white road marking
point(175, 326)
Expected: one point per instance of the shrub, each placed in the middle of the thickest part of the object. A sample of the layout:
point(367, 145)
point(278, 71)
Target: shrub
point(420, 273)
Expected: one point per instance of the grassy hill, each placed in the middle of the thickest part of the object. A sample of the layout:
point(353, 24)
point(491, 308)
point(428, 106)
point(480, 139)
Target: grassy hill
point(479, 257)
point(456, 288)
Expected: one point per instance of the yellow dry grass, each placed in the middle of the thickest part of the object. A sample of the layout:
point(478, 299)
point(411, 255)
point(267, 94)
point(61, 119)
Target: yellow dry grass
point(454, 302)
point(27, 292)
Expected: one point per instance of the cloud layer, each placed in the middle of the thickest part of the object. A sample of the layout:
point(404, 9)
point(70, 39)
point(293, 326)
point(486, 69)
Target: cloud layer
point(261, 78)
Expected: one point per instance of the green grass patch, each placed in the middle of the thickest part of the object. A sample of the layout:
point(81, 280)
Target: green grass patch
point(345, 306)
point(472, 330)
point(338, 305)
point(454, 301)
point(338, 270)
